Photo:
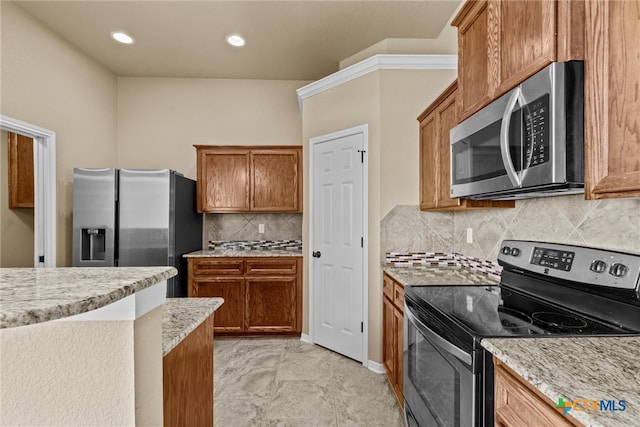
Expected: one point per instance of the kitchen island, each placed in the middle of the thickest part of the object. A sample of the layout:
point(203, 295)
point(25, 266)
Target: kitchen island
point(82, 346)
point(579, 370)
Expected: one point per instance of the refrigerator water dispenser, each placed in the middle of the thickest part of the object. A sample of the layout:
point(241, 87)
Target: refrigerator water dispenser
point(93, 244)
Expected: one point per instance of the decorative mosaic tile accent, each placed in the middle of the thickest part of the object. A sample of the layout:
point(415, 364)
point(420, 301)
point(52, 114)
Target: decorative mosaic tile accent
point(443, 259)
point(293, 245)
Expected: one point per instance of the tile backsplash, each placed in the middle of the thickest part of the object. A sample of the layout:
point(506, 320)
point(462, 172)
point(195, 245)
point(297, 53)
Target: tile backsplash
point(277, 226)
point(611, 224)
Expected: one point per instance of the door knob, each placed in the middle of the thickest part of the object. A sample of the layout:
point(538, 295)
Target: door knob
point(316, 254)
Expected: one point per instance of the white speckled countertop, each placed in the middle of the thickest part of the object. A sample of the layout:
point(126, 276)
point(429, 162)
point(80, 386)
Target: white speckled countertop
point(425, 275)
point(34, 295)
point(593, 368)
point(180, 316)
point(245, 253)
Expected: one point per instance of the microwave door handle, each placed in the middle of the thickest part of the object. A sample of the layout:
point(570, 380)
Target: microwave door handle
point(504, 138)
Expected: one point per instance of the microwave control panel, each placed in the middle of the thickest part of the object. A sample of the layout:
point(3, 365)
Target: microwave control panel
point(535, 117)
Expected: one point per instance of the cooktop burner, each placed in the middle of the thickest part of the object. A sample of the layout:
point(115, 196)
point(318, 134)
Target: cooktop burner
point(559, 320)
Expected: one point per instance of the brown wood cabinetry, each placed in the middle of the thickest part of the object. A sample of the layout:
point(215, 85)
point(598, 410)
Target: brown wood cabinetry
point(392, 333)
point(187, 372)
point(21, 178)
point(612, 99)
point(517, 404)
point(501, 43)
point(261, 295)
point(249, 179)
point(435, 157)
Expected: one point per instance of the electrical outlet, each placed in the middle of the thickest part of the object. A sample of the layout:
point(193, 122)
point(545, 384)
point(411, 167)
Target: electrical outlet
point(469, 235)
point(260, 228)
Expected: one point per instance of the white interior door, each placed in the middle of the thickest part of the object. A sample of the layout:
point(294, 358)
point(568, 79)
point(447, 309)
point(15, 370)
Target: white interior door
point(338, 242)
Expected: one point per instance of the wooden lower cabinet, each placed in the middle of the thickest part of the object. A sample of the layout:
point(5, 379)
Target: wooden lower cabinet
point(518, 404)
point(230, 316)
point(392, 333)
point(188, 379)
point(261, 295)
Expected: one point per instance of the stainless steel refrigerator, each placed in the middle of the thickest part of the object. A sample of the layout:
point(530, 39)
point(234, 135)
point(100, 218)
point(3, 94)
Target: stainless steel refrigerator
point(135, 218)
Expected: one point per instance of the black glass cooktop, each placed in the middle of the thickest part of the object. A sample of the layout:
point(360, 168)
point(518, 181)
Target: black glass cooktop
point(496, 311)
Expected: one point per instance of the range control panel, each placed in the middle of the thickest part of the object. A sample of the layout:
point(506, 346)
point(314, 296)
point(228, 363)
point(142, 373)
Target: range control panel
point(590, 266)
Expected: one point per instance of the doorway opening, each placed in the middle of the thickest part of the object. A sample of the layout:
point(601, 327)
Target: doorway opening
point(44, 187)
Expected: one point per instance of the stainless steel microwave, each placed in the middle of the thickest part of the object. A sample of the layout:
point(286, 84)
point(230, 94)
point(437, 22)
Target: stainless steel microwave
point(527, 143)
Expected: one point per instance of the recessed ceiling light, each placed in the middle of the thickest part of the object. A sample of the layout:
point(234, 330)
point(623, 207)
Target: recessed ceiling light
point(121, 37)
point(235, 40)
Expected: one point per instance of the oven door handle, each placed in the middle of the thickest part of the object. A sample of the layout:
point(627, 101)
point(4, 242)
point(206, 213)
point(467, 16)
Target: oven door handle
point(515, 97)
point(436, 339)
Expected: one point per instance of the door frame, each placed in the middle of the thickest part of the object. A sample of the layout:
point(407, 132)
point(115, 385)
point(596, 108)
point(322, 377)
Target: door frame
point(44, 187)
point(364, 130)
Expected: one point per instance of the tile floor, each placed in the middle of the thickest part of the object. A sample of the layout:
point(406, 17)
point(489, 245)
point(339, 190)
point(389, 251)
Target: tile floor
point(286, 382)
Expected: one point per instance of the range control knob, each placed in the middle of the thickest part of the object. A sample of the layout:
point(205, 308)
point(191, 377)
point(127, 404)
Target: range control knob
point(618, 270)
point(515, 252)
point(598, 266)
point(506, 250)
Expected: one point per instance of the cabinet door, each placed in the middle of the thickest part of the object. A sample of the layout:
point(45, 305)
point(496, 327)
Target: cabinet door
point(21, 173)
point(447, 118)
point(275, 180)
point(223, 179)
point(230, 316)
point(526, 39)
point(388, 332)
point(612, 99)
point(477, 37)
point(271, 304)
point(429, 162)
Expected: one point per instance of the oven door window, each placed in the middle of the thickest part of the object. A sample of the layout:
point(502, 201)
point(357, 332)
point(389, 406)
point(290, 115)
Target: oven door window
point(478, 156)
point(439, 387)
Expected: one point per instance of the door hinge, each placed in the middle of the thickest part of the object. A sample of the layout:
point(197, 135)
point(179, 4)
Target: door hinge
point(362, 242)
point(41, 258)
point(362, 155)
point(361, 326)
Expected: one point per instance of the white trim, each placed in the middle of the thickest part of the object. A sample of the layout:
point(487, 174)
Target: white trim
point(375, 63)
point(44, 187)
point(129, 308)
point(305, 338)
point(376, 367)
point(364, 130)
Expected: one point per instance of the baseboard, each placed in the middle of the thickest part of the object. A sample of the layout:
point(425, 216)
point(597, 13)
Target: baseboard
point(376, 367)
point(305, 338)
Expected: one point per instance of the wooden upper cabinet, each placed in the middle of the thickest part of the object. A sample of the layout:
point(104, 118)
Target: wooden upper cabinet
point(612, 99)
point(223, 179)
point(21, 171)
point(249, 178)
point(275, 180)
point(502, 43)
point(435, 157)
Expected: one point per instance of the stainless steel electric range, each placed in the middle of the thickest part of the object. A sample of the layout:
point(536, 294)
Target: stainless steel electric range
point(546, 290)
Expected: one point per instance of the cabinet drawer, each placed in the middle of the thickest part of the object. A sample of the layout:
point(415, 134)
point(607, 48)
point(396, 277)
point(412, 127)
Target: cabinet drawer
point(398, 296)
point(271, 266)
point(387, 289)
point(217, 266)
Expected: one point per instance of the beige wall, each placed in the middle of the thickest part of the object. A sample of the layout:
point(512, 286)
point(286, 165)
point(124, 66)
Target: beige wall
point(16, 225)
point(46, 82)
point(389, 102)
point(160, 119)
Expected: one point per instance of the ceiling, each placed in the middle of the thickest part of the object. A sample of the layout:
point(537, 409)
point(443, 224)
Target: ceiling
point(286, 40)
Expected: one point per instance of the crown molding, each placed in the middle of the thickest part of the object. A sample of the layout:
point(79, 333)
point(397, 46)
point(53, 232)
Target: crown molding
point(375, 63)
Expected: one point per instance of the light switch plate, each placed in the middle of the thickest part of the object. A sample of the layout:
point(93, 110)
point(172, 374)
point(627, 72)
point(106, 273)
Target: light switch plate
point(260, 228)
point(469, 235)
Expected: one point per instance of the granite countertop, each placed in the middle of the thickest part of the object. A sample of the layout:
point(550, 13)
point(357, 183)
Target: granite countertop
point(426, 275)
point(180, 316)
point(591, 368)
point(244, 253)
point(34, 295)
